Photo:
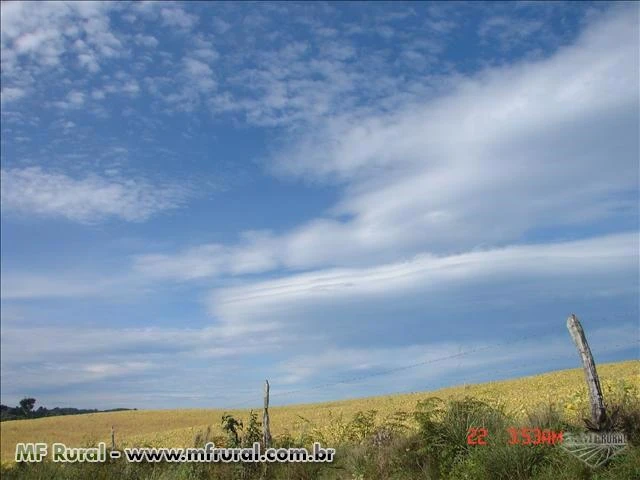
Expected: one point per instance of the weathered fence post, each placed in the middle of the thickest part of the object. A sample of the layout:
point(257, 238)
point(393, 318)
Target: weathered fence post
point(266, 432)
point(598, 412)
point(113, 438)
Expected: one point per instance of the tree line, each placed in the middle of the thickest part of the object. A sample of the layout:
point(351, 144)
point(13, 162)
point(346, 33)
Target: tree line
point(26, 409)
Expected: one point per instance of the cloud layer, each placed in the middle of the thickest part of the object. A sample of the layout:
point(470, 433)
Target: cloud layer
point(351, 191)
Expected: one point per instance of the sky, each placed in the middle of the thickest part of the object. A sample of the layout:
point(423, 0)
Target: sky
point(347, 199)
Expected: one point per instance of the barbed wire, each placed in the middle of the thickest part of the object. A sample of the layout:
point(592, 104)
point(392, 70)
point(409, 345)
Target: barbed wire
point(462, 381)
point(460, 354)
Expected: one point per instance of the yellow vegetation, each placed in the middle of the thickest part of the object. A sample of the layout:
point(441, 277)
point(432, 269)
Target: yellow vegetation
point(176, 428)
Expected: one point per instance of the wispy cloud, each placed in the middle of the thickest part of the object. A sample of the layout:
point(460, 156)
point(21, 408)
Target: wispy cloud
point(175, 16)
point(32, 286)
point(87, 200)
point(295, 297)
point(255, 253)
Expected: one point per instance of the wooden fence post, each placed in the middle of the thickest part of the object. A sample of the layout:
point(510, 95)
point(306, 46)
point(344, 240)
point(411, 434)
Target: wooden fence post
point(598, 412)
point(113, 438)
point(266, 432)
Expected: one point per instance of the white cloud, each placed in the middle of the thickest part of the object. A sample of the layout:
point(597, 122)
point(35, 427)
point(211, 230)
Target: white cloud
point(93, 355)
point(37, 37)
point(65, 341)
point(108, 369)
point(200, 73)
point(9, 94)
point(194, 81)
point(484, 165)
point(56, 375)
point(508, 151)
point(17, 286)
point(198, 262)
point(203, 48)
point(175, 16)
point(220, 26)
point(98, 95)
point(44, 32)
point(435, 176)
point(131, 87)
point(254, 254)
point(507, 31)
point(76, 98)
point(88, 200)
point(596, 261)
point(148, 41)
point(89, 61)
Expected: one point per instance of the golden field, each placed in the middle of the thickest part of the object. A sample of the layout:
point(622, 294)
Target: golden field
point(175, 428)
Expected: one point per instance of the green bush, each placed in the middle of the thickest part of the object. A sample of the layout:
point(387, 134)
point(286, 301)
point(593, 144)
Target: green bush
point(362, 426)
point(445, 428)
point(253, 432)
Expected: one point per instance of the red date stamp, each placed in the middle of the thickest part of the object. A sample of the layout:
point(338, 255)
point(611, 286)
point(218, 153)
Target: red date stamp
point(517, 436)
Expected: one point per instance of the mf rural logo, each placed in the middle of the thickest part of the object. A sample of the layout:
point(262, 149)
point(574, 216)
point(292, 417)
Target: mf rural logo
point(594, 449)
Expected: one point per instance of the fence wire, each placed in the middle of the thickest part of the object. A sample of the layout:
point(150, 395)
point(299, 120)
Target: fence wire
point(477, 375)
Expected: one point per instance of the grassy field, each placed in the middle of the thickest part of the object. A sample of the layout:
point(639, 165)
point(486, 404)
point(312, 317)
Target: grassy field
point(175, 428)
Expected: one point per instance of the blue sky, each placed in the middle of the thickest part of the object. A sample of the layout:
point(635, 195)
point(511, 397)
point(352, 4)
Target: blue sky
point(199, 196)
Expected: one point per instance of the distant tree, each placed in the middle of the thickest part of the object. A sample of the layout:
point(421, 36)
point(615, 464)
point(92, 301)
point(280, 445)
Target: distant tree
point(27, 404)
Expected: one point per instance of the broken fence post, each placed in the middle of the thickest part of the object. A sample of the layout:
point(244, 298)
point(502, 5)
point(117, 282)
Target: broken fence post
point(598, 412)
point(266, 432)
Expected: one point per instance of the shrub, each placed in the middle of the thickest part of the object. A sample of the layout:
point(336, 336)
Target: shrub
point(445, 427)
point(362, 426)
point(253, 432)
point(231, 426)
point(501, 461)
point(625, 415)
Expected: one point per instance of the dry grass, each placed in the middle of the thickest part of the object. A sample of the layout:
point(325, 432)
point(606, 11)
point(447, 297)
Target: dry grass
point(174, 428)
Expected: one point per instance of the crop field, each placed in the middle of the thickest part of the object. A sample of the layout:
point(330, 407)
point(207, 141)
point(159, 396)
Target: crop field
point(175, 428)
